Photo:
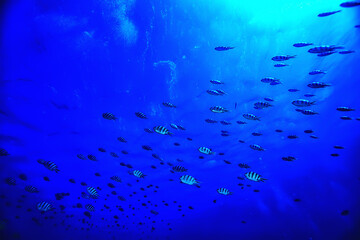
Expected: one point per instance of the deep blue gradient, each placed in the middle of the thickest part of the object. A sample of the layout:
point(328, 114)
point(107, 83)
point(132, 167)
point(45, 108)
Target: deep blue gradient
point(65, 63)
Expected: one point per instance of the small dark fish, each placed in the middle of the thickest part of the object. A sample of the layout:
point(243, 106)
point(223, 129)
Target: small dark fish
point(288, 159)
point(181, 127)
point(318, 85)
point(241, 141)
point(350, 4)
point(256, 134)
point(293, 90)
point(31, 189)
point(357, 26)
point(268, 99)
point(146, 147)
point(279, 130)
point(345, 118)
point(240, 122)
point(324, 54)
point(334, 155)
point(243, 165)
point(210, 121)
point(292, 136)
point(114, 155)
point(309, 95)
point(3, 152)
point(281, 65)
point(345, 213)
point(101, 150)
point(313, 136)
point(324, 49)
point(109, 116)
point(306, 112)
point(121, 139)
point(179, 168)
point(92, 157)
point(124, 152)
point(256, 147)
point(216, 82)
point(317, 72)
point(338, 147)
point(302, 44)
point(170, 105)
point(222, 48)
point(235, 105)
point(308, 131)
point(325, 14)
point(345, 109)
point(227, 162)
point(225, 122)
point(10, 181)
point(141, 115)
point(346, 51)
point(283, 57)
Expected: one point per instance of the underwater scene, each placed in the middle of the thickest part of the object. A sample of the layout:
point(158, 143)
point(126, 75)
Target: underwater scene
point(180, 119)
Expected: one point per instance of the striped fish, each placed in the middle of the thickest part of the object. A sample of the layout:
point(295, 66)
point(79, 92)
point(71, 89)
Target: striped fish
point(205, 150)
point(302, 103)
point(216, 82)
point(318, 85)
point(256, 147)
point(254, 177)
point(316, 72)
point(261, 105)
point(306, 112)
point(283, 57)
point(141, 115)
point(115, 178)
point(93, 193)
point(170, 105)
point(137, 173)
point(90, 207)
point(324, 54)
point(324, 48)
point(109, 116)
point(179, 169)
point(250, 116)
point(302, 44)
point(345, 109)
point(44, 207)
point(281, 65)
point(269, 80)
point(162, 130)
point(31, 189)
point(49, 165)
point(10, 181)
point(187, 179)
point(121, 139)
point(218, 109)
point(224, 191)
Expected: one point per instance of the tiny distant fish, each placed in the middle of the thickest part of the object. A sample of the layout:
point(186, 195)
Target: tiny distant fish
point(205, 150)
point(269, 80)
point(137, 173)
point(334, 155)
point(31, 189)
point(309, 95)
point(350, 4)
point(254, 177)
point(222, 48)
point(162, 130)
point(268, 99)
point(90, 207)
point(256, 147)
point(109, 116)
point(306, 112)
point(224, 131)
point(215, 92)
point(357, 26)
point(49, 165)
point(346, 52)
point(283, 57)
point(292, 136)
point(141, 115)
point(146, 147)
point(243, 165)
point(240, 122)
point(121, 139)
point(302, 44)
point(308, 131)
point(92, 157)
point(325, 14)
point(148, 130)
point(170, 105)
point(218, 109)
point(154, 155)
point(262, 105)
point(281, 65)
point(216, 82)
point(225, 134)
point(275, 83)
point(101, 150)
point(241, 141)
point(116, 179)
point(345, 109)
point(318, 85)
point(250, 116)
point(338, 147)
point(345, 118)
point(293, 90)
point(3, 152)
point(316, 72)
point(93, 193)
point(179, 168)
point(210, 120)
point(225, 122)
point(181, 127)
point(313, 136)
point(224, 191)
point(324, 48)
point(114, 155)
point(279, 130)
point(256, 134)
point(302, 103)
point(44, 207)
point(324, 54)
point(289, 158)
point(10, 181)
point(174, 126)
point(187, 179)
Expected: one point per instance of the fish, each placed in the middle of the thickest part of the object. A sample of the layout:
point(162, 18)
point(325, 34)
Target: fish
point(279, 130)
point(346, 51)
point(148, 130)
point(215, 92)
point(308, 131)
point(268, 99)
point(318, 85)
point(302, 44)
point(223, 122)
point(256, 134)
point(324, 48)
point(345, 118)
point(243, 165)
point(121, 139)
point(137, 173)
point(141, 115)
point(168, 104)
point(254, 177)
point(216, 82)
point(3, 152)
point(44, 207)
point(288, 159)
point(187, 179)
point(281, 65)
point(250, 116)
point(345, 109)
point(293, 136)
point(206, 151)
point(293, 90)
point(269, 80)
point(181, 127)
point(275, 83)
point(309, 95)
point(49, 165)
point(210, 120)
point(224, 191)
point(282, 57)
point(256, 147)
point(350, 4)
point(218, 109)
point(316, 72)
point(262, 105)
point(116, 179)
point(109, 116)
point(241, 122)
point(325, 14)
point(179, 168)
point(338, 147)
point(222, 48)
point(92, 157)
point(162, 130)
point(146, 147)
point(334, 155)
point(93, 193)
point(31, 189)
point(302, 103)
point(90, 207)
point(357, 26)
point(174, 126)
point(10, 181)
point(101, 150)
point(313, 136)
point(324, 54)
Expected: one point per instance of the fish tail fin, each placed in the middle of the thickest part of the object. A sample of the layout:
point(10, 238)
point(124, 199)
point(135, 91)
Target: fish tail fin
point(293, 56)
point(170, 134)
point(263, 179)
point(313, 103)
point(57, 170)
point(213, 153)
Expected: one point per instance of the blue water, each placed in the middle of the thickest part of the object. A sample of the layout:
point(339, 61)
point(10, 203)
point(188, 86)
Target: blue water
point(65, 63)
